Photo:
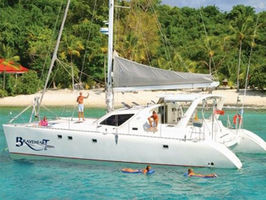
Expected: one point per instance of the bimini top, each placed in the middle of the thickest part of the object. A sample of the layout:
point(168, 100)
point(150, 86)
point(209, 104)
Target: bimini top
point(132, 76)
point(185, 97)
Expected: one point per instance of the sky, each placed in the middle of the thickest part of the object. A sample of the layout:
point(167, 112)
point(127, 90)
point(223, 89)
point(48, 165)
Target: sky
point(223, 5)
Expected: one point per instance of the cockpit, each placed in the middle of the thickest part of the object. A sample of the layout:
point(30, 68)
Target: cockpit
point(170, 113)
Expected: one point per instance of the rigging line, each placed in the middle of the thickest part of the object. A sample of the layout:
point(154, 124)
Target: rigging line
point(54, 55)
point(63, 111)
point(53, 78)
point(144, 42)
point(207, 41)
point(97, 80)
point(146, 49)
point(136, 23)
point(50, 43)
point(248, 68)
point(115, 29)
point(88, 37)
point(73, 111)
point(49, 110)
point(49, 85)
point(65, 64)
point(165, 42)
point(62, 64)
point(145, 46)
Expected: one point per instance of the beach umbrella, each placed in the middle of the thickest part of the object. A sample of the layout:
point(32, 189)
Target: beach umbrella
point(10, 67)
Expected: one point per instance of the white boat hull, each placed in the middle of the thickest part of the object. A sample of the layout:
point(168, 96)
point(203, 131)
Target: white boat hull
point(92, 145)
point(249, 143)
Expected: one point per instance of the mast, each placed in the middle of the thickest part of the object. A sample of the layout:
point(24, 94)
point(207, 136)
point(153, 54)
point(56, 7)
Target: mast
point(109, 93)
point(54, 55)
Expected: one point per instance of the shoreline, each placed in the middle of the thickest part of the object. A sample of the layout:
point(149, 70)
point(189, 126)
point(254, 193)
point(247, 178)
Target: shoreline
point(67, 97)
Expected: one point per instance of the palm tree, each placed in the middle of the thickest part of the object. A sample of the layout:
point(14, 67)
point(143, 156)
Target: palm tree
point(211, 44)
point(73, 50)
point(242, 19)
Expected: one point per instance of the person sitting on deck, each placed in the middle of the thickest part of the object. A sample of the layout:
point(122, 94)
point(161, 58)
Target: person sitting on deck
point(153, 119)
point(43, 122)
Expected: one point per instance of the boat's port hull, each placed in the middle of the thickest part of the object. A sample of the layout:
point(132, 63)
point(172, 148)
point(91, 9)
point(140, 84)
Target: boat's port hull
point(98, 146)
point(249, 143)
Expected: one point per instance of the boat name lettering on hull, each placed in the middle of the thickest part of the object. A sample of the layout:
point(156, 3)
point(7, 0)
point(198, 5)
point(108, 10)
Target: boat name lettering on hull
point(36, 145)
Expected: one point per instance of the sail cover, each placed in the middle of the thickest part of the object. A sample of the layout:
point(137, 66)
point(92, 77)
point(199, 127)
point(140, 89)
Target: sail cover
point(132, 76)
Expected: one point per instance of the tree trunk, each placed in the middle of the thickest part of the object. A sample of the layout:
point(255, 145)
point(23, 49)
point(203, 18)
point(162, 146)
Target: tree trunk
point(4, 80)
point(210, 64)
point(239, 61)
point(72, 76)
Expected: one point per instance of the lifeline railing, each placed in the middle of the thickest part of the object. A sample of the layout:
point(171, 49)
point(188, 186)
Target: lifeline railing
point(113, 133)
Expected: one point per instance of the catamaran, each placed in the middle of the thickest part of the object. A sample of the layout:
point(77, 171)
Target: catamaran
point(189, 131)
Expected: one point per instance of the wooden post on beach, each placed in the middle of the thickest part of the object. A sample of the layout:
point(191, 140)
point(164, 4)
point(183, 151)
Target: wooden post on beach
point(4, 80)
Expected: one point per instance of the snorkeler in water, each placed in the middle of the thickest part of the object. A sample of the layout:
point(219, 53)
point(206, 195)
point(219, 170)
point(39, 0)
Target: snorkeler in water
point(143, 171)
point(190, 173)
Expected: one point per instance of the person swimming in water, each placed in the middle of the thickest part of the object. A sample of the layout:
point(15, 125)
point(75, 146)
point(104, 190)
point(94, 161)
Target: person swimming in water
point(144, 171)
point(190, 173)
point(147, 169)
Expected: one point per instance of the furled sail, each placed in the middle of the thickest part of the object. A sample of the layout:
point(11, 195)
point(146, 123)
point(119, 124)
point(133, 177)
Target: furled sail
point(132, 76)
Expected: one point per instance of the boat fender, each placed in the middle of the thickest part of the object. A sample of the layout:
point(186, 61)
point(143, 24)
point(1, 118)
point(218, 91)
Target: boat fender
point(237, 119)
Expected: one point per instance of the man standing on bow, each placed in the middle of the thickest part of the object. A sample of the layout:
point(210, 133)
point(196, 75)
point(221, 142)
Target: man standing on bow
point(80, 101)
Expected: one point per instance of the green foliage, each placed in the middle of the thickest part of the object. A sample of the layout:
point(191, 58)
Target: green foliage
point(137, 32)
point(258, 78)
point(219, 46)
point(3, 93)
point(29, 83)
point(182, 39)
point(11, 85)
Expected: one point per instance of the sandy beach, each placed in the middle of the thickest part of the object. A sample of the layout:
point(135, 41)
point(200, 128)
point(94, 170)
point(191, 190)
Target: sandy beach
point(67, 97)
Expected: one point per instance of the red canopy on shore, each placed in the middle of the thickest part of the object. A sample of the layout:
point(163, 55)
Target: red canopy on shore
point(11, 67)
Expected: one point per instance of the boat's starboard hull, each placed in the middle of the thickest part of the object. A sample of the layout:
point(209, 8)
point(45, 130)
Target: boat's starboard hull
point(97, 146)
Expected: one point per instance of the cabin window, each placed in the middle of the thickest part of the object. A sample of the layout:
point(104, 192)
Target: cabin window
point(116, 120)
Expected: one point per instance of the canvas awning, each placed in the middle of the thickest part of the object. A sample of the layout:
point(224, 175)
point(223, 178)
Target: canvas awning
point(11, 67)
point(132, 76)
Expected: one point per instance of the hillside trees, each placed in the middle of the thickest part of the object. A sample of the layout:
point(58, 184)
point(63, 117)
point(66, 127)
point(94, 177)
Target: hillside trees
point(137, 33)
point(242, 23)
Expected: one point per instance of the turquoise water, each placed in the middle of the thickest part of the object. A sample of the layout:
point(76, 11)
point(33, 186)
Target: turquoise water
point(54, 179)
